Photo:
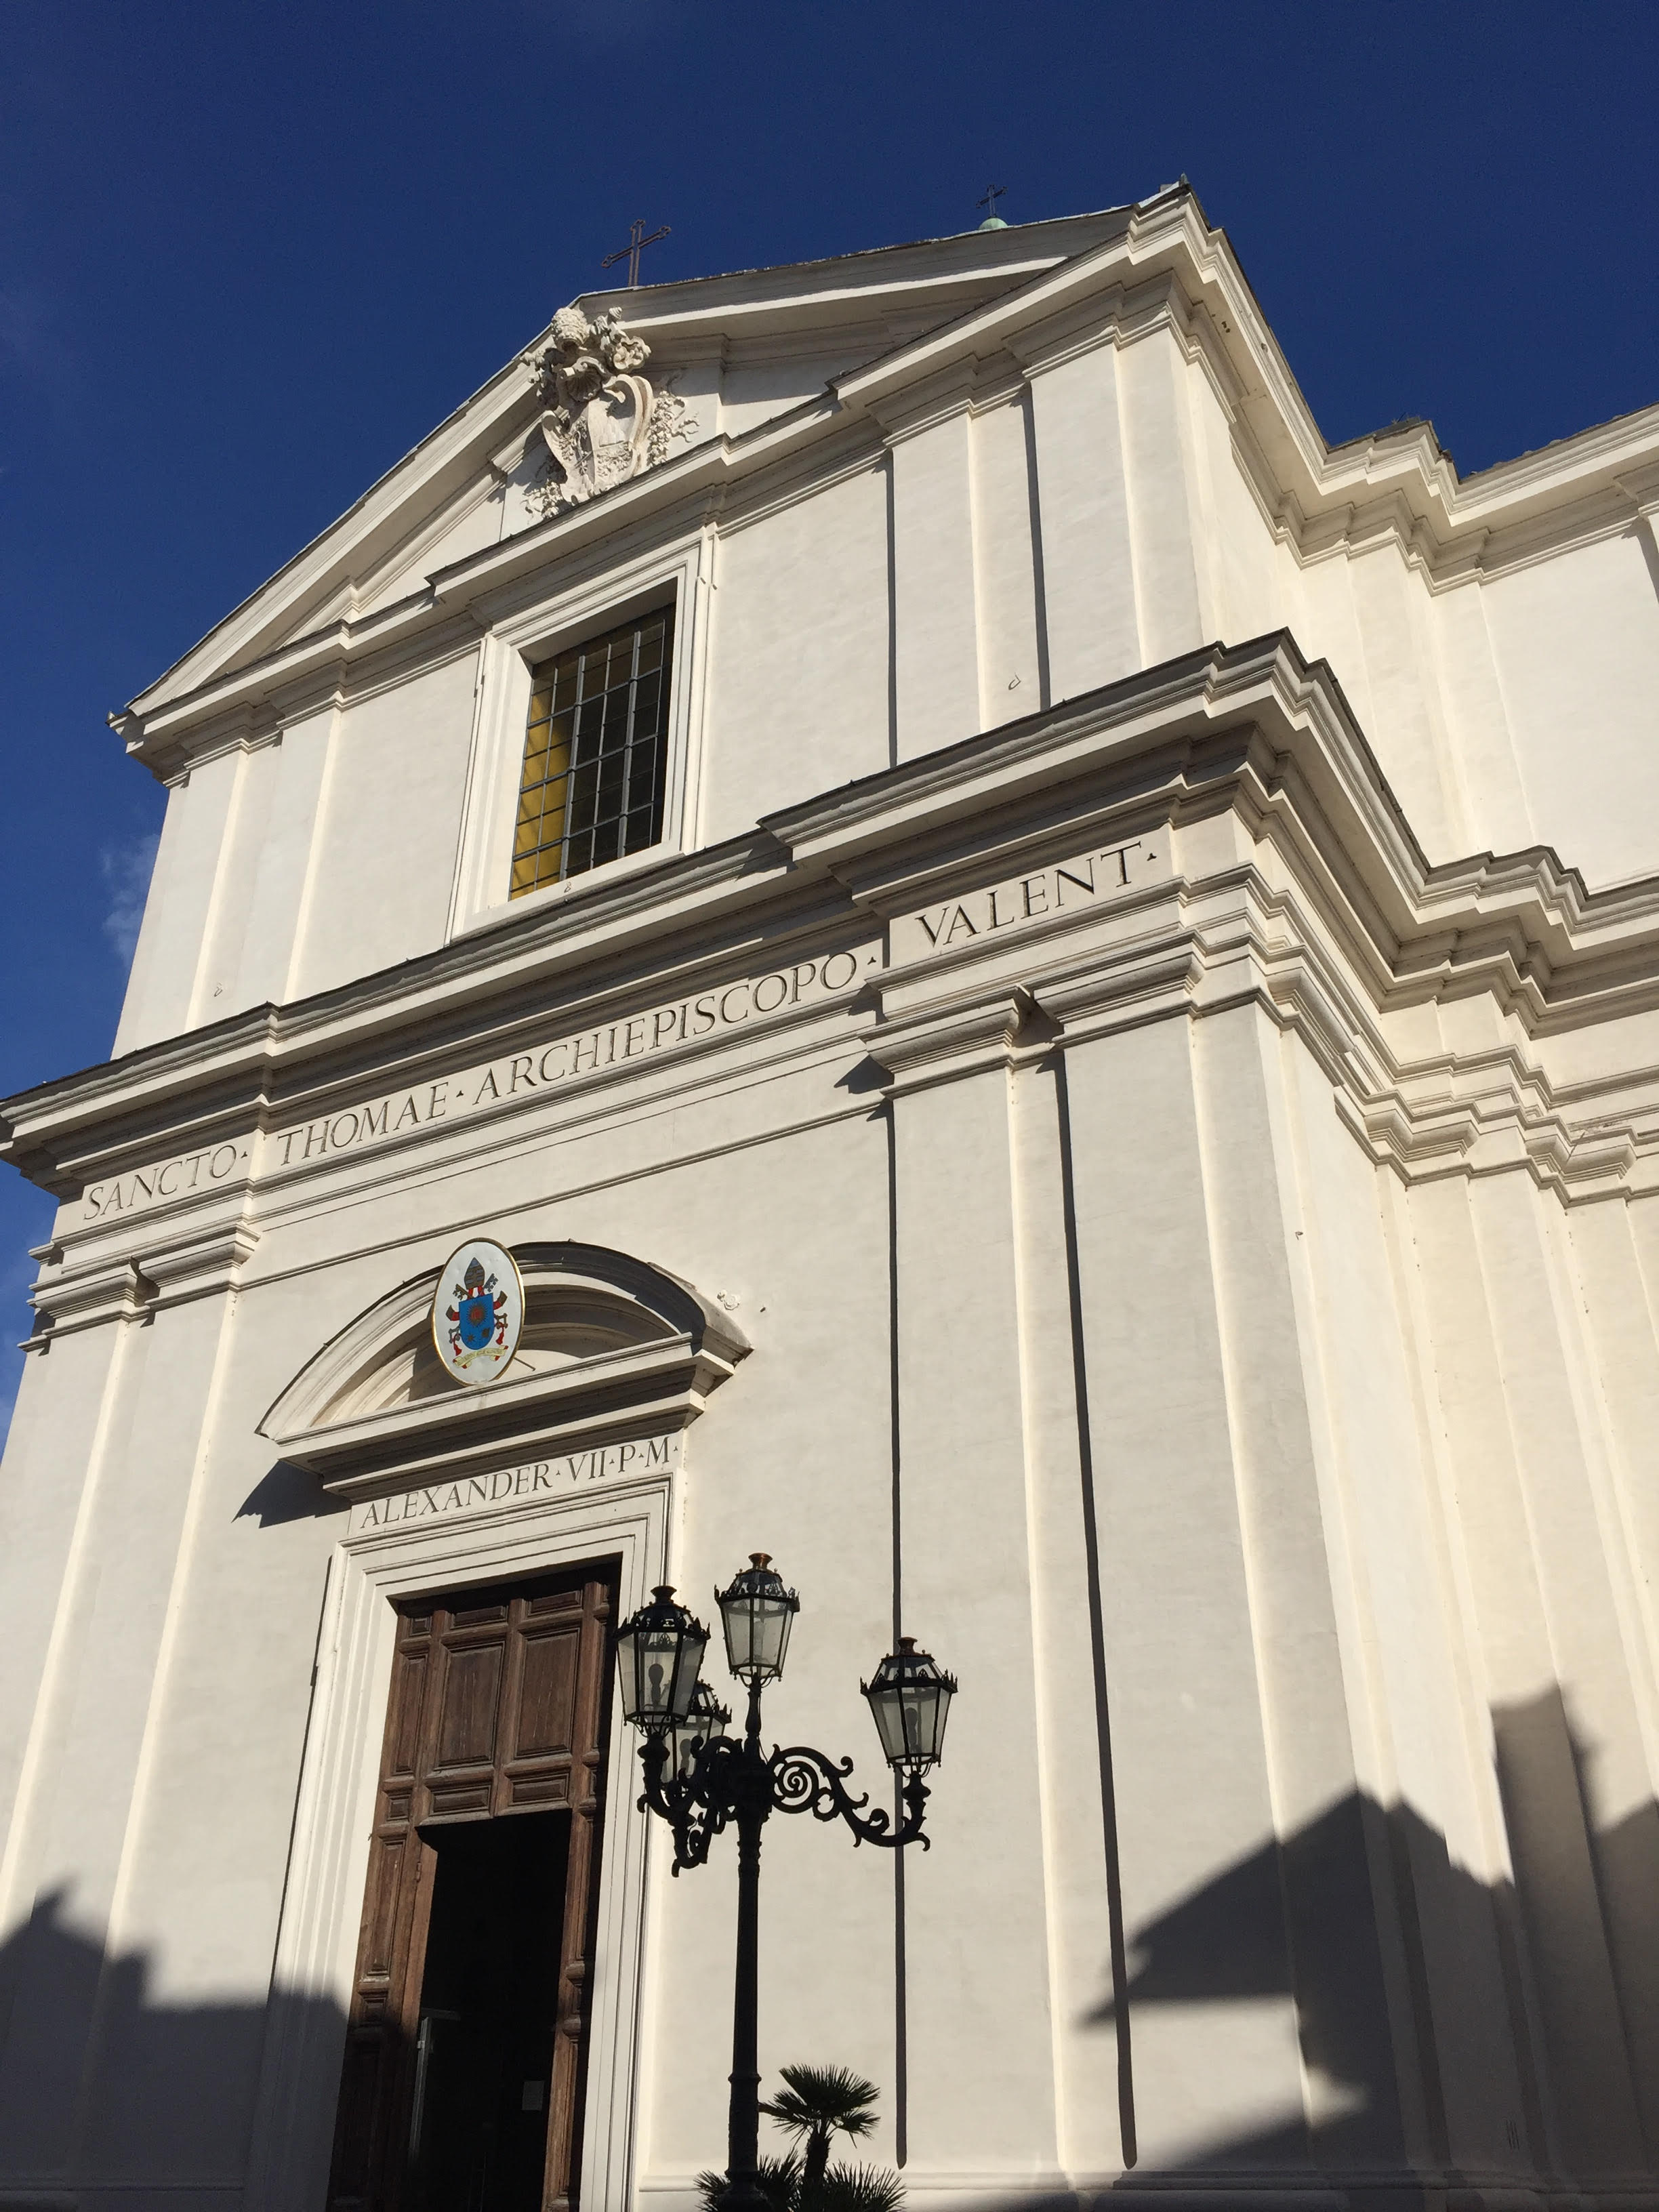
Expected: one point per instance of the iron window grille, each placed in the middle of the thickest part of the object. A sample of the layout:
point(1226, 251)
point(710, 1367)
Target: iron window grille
point(595, 755)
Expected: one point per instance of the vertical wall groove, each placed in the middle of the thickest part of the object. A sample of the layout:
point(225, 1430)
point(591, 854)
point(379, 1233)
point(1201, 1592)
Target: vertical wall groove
point(901, 2020)
point(1126, 2097)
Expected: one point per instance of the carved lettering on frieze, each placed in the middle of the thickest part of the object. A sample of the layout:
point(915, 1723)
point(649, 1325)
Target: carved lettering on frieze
point(1066, 887)
point(595, 1053)
point(175, 1178)
point(541, 1478)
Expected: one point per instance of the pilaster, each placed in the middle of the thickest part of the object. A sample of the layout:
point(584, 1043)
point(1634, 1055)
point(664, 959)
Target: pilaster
point(982, 2107)
point(1213, 2025)
point(1088, 560)
point(935, 644)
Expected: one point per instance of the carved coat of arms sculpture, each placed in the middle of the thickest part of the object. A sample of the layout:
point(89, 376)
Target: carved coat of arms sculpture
point(603, 421)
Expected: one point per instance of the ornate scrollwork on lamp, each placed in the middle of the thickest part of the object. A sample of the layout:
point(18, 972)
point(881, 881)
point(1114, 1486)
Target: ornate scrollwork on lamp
point(603, 422)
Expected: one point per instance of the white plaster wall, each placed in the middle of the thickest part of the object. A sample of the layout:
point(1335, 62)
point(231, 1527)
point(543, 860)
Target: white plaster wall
point(1088, 565)
point(1094, 524)
point(1011, 650)
point(260, 967)
point(1305, 1616)
point(1163, 496)
point(49, 1458)
point(753, 391)
point(1419, 1735)
point(983, 2096)
point(800, 658)
point(936, 687)
point(1216, 2058)
point(387, 835)
point(1300, 1423)
point(116, 1603)
point(1540, 1623)
point(164, 967)
point(1576, 640)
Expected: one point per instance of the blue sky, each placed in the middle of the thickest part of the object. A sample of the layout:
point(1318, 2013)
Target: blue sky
point(249, 256)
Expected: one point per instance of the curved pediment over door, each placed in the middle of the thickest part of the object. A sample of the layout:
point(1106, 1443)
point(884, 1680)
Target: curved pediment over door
point(611, 1348)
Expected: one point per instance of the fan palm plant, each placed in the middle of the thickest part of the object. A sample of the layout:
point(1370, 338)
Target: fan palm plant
point(815, 2104)
point(844, 2188)
point(779, 2179)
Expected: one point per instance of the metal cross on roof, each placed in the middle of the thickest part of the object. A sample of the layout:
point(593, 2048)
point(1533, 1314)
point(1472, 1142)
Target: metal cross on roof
point(989, 202)
point(632, 251)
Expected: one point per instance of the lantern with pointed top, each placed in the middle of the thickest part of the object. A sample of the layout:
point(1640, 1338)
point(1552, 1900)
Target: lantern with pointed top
point(756, 1611)
point(659, 1652)
point(909, 1700)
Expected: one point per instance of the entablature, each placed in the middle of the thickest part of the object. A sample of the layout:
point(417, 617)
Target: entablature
point(1218, 825)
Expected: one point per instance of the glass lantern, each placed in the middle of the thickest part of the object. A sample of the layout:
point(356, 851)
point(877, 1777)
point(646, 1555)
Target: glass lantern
point(658, 1652)
point(909, 1700)
point(686, 1738)
point(756, 1611)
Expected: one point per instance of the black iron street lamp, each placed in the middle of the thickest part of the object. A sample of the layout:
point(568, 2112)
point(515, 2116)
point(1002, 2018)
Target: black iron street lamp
point(701, 1781)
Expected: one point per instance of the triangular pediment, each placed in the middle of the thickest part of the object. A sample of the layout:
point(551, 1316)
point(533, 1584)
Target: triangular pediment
point(737, 351)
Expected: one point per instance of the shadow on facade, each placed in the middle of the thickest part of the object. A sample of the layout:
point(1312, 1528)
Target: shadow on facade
point(1526, 2048)
point(288, 1493)
point(1530, 2009)
point(104, 2083)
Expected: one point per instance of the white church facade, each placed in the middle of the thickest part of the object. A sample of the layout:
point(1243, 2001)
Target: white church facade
point(1051, 986)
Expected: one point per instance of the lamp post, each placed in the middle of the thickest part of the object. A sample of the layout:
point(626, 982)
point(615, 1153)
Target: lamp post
point(702, 1781)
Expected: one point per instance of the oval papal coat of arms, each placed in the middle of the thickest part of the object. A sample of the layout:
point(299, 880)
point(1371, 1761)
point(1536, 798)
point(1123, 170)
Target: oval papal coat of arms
point(477, 1311)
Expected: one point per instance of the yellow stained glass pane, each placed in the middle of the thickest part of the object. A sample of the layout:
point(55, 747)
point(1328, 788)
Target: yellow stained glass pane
point(553, 820)
point(570, 816)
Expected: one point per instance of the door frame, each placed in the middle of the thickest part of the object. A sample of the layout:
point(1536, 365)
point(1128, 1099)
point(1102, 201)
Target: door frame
point(454, 1535)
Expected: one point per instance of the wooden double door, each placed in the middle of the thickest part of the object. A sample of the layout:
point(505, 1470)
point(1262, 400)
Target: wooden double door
point(462, 2085)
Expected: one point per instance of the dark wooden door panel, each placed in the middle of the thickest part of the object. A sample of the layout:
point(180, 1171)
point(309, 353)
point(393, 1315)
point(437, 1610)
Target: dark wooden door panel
point(547, 1702)
point(498, 1705)
point(470, 1704)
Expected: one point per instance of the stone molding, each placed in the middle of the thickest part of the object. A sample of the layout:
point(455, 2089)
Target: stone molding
point(942, 1045)
point(200, 1263)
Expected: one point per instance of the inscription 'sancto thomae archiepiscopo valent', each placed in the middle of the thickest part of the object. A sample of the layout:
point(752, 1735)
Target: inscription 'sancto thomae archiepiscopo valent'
point(1043, 895)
